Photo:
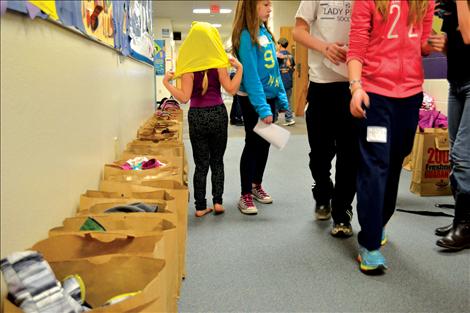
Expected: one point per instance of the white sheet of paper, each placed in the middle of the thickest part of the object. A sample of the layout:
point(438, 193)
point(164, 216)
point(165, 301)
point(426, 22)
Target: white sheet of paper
point(272, 133)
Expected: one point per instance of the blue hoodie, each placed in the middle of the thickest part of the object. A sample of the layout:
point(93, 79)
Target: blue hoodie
point(261, 76)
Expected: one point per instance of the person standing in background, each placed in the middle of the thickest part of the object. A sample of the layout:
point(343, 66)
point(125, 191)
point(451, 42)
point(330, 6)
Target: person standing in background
point(386, 42)
point(260, 89)
point(323, 27)
point(456, 25)
point(287, 68)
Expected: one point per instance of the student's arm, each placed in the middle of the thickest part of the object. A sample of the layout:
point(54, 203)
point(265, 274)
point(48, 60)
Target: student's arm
point(463, 13)
point(251, 80)
point(431, 42)
point(184, 94)
point(358, 95)
point(359, 37)
point(306, 14)
point(231, 85)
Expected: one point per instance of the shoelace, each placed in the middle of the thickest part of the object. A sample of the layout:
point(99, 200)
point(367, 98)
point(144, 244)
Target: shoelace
point(261, 191)
point(248, 200)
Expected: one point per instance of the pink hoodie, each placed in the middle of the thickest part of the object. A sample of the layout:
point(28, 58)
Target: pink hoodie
point(389, 51)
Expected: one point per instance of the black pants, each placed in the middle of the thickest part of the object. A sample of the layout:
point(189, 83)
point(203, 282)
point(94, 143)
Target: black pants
point(208, 135)
point(381, 159)
point(255, 153)
point(331, 132)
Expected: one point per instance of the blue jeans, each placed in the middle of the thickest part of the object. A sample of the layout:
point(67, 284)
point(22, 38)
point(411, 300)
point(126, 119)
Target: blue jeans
point(459, 136)
point(289, 116)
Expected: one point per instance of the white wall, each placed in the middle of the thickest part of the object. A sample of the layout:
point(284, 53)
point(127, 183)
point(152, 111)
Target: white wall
point(64, 99)
point(283, 15)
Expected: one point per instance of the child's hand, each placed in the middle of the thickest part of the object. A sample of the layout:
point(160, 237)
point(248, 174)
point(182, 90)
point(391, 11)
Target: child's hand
point(335, 52)
point(359, 101)
point(437, 42)
point(268, 119)
point(169, 76)
point(235, 63)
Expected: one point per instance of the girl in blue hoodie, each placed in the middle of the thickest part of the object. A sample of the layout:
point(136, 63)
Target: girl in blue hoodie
point(260, 89)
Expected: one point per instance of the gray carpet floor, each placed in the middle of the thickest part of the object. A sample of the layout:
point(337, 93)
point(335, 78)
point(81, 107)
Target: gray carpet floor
point(282, 260)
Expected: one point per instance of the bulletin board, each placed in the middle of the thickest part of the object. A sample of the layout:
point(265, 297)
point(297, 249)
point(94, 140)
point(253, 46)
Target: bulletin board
point(124, 25)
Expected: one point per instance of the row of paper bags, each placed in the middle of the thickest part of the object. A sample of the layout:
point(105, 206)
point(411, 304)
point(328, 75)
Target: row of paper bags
point(142, 252)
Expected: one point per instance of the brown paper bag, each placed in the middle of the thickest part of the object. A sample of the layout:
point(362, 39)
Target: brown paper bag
point(170, 149)
point(168, 172)
point(181, 229)
point(160, 146)
point(431, 166)
point(110, 275)
point(92, 197)
point(179, 204)
point(159, 243)
point(167, 152)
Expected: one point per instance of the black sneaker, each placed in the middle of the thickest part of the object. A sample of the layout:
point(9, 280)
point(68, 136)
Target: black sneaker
point(323, 212)
point(342, 230)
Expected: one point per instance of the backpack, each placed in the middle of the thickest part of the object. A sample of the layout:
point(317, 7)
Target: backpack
point(168, 104)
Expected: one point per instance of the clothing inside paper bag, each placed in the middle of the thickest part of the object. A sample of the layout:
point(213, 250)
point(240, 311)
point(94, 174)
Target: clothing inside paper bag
point(275, 135)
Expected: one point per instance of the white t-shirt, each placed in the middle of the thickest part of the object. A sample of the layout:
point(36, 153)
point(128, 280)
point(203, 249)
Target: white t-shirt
point(330, 22)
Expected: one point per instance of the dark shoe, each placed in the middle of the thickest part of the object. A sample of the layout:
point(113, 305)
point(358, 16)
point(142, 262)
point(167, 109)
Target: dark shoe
point(341, 230)
point(323, 212)
point(457, 239)
point(444, 230)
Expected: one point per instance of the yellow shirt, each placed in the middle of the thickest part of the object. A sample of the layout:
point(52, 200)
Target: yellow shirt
point(201, 50)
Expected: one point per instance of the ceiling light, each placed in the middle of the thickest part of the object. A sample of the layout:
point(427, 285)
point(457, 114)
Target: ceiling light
point(225, 11)
point(201, 11)
point(217, 25)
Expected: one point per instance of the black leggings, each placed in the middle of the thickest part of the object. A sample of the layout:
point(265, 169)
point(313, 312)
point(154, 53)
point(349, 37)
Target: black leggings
point(255, 153)
point(208, 135)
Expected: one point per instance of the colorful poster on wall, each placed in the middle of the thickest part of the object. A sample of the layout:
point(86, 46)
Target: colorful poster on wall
point(159, 60)
point(70, 13)
point(48, 7)
point(97, 16)
point(121, 26)
point(140, 30)
point(125, 25)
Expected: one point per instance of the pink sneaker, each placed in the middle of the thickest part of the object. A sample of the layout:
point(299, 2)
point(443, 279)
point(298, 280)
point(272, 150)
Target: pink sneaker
point(260, 195)
point(246, 205)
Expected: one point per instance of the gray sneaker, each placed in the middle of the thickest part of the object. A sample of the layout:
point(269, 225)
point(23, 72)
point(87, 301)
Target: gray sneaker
point(289, 123)
point(342, 230)
point(323, 212)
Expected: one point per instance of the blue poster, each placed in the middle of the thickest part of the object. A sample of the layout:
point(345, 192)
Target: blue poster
point(159, 60)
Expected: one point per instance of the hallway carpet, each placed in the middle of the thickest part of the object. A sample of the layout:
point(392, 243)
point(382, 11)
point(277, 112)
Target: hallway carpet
point(282, 260)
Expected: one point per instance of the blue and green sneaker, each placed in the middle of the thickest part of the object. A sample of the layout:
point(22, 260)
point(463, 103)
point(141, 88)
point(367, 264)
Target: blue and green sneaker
point(371, 262)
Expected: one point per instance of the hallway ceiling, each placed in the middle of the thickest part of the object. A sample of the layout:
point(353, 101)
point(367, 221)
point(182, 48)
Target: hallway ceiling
point(181, 14)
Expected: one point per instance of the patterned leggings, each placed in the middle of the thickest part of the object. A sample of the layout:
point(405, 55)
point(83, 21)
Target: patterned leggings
point(208, 135)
